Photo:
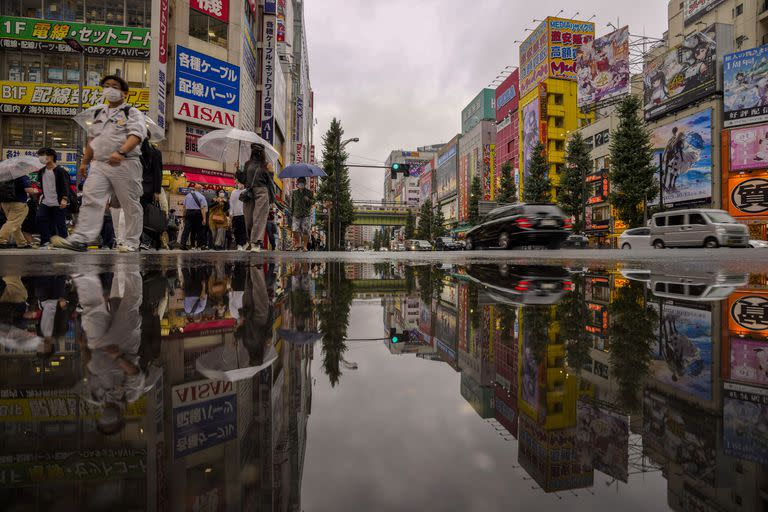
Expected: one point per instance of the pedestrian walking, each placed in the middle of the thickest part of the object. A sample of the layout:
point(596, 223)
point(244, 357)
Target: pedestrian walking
point(113, 154)
point(53, 180)
point(237, 218)
point(259, 194)
point(152, 185)
point(13, 203)
point(194, 212)
point(272, 229)
point(301, 204)
point(218, 219)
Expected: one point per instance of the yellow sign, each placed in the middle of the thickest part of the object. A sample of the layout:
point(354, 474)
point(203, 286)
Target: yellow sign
point(59, 407)
point(57, 99)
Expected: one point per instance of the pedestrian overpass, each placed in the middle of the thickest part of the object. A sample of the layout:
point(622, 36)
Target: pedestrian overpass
point(375, 213)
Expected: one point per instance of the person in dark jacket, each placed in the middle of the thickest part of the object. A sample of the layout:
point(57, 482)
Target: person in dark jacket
point(52, 209)
point(152, 184)
point(259, 183)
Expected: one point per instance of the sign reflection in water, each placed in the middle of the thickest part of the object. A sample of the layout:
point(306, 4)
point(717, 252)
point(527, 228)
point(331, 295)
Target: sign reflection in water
point(545, 387)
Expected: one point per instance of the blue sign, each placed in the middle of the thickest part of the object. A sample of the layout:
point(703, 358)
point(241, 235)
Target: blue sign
point(207, 80)
point(204, 424)
point(506, 97)
point(270, 6)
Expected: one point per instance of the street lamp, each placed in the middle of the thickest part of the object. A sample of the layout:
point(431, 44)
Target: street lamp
point(336, 199)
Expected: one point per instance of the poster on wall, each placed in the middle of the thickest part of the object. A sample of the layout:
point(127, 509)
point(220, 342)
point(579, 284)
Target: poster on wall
point(682, 75)
point(745, 415)
point(749, 148)
point(745, 86)
point(602, 68)
point(682, 352)
point(530, 133)
point(683, 155)
point(529, 373)
point(446, 172)
point(749, 361)
point(602, 439)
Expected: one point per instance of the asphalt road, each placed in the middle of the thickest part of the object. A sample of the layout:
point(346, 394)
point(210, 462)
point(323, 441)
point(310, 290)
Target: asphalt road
point(25, 262)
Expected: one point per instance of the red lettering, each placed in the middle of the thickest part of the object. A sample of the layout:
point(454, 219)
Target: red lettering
point(207, 114)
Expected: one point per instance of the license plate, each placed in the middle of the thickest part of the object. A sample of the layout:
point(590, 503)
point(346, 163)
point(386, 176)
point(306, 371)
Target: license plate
point(549, 222)
point(547, 286)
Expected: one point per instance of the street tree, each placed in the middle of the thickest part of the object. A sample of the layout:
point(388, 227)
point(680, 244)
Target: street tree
point(438, 223)
point(537, 188)
point(335, 189)
point(410, 225)
point(474, 200)
point(508, 190)
point(572, 197)
point(377, 240)
point(426, 221)
point(632, 175)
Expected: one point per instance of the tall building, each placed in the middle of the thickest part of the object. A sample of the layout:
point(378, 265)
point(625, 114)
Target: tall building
point(507, 128)
point(476, 153)
point(446, 175)
point(548, 110)
point(405, 189)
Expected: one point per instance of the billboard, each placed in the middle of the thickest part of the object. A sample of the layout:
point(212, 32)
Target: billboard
point(57, 99)
point(565, 39)
point(464, 187)
point(425, 186)
point(534, 63)
point(529, 374)
point(745, 86)
point(749, 361)
point(745, 415)
point(218, 9)
point(602, 68)
point(748, 196)
point(207, 90)
point(682, 75)
point(507, 96)
point(530, 128)
point(683, 155)
point(695, 9)
point(749, 148)
point(204, 415)
point(446, 171)
point(49, 35)
point(602, 439)
point(682, 352)
point(748, 313)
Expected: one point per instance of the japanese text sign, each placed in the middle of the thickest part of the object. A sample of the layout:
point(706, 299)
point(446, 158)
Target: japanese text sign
point(745, 99)
point(218, 9)
point(33, 34)
point(204, 415)
point(57, 99)
point(207, 90)
point(565, 39)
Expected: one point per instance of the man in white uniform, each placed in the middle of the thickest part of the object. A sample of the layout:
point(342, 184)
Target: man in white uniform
point(113, 153)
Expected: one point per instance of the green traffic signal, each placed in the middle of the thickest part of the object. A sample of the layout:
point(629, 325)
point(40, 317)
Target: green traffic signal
point(395, 339)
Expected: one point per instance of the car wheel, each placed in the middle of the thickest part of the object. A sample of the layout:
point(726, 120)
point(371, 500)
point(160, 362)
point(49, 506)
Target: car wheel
point(504, 241)
point(711, 243)
point(626, 247)
point(658, 244)
point(468, 244)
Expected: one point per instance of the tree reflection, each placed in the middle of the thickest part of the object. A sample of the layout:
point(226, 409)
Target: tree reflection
point(572, 315)
point(430, 279)
point(333, 313)
point(536, 321)
point(632, 331)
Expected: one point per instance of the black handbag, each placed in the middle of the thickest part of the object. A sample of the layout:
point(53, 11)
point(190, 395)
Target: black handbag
point(155, 218)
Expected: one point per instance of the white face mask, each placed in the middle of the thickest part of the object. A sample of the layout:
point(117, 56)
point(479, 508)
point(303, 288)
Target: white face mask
point(302, 185)
point(112, 95)
point(43, 159)
point(222, 195)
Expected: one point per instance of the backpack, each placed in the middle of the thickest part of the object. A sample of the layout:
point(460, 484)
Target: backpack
point(8, 192)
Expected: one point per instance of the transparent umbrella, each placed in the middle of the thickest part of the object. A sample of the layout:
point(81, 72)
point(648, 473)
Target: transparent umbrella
point(86, 117)
point(18, 166)
point(233, 145)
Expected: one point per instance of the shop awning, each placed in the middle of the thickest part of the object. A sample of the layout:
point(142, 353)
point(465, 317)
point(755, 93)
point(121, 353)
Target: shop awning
point(207, 179)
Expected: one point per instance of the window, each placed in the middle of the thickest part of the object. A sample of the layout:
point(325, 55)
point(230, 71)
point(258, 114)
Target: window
point(60, 133)
point(677, 289)
point(207, 28)
point(660, 221)
point(559, 145)
point(696, 218)
point(23, 132)
point(588, 142)
point(10, 7)
point(94, 12)
point(52, 65)
point(65, 10)
point(558, 122)
point(510, 147)
point(558, 99)
point(137, 13)
point(31, 8)
point(675, 220)
point(739, 10)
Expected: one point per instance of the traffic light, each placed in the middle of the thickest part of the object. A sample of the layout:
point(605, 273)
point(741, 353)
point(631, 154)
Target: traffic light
point(399, 168)
point(398, 337)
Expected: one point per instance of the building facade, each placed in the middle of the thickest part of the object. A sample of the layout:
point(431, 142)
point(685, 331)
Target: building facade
point(507, 128)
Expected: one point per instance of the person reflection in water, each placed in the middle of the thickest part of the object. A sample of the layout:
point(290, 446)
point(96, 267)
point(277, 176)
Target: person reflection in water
point(254, 323)
point(15, 315)
point(112, 326)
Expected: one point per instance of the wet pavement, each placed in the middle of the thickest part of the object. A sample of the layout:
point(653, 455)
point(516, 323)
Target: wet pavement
point(235, 382)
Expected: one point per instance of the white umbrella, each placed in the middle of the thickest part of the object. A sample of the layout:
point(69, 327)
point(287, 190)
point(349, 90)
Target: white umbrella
point(233, 145)
point(86, 117)
point(231, 364)
point(18, 166)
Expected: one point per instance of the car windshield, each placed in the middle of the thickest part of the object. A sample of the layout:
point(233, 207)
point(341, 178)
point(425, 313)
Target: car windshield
point(721, 218)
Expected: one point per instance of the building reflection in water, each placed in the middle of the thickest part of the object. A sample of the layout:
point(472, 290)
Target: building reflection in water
point(190, 387)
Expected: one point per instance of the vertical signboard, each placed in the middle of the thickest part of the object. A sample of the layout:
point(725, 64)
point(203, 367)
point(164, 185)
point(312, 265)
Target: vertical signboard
point(530, 133)
point(249, 80)
point(207, 89)
point(204, 415)
point(268, 78)
point(464, 187)
point(533, 59)
point(158, 64)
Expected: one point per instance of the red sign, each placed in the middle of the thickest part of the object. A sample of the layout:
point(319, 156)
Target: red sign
point(218, 9)
point(299, 152)
point(163, 49)
point(312, 154)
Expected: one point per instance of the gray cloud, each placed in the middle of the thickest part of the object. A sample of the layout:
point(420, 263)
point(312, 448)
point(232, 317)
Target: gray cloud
point(398, 73)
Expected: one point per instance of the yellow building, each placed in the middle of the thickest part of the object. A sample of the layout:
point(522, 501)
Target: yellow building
point(548, 109)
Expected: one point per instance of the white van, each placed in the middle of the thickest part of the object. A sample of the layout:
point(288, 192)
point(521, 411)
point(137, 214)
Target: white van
point(697, 228)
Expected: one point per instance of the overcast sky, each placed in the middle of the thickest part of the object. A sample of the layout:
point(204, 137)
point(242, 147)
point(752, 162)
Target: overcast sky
point(398, 73)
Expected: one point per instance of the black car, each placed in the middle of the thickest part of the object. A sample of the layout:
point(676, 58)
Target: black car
point(520, 225)
point(520, 284)
point(446, 243)
point(576, 241)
